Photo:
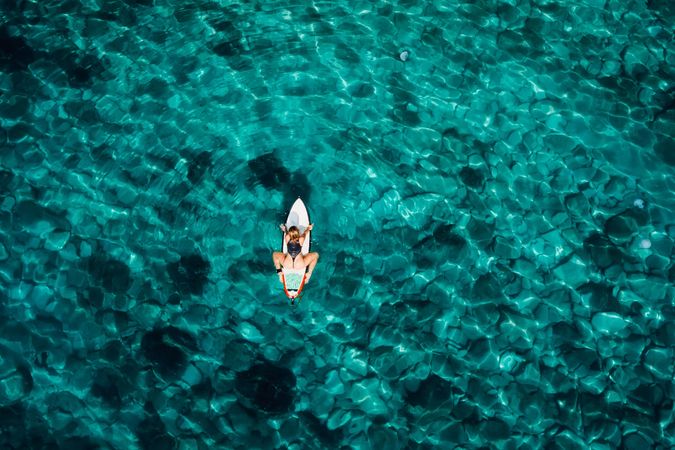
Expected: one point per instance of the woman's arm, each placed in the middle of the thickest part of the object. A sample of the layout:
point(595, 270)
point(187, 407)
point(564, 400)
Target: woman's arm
point(283, 229)
point(307, 230)
point(304, 233)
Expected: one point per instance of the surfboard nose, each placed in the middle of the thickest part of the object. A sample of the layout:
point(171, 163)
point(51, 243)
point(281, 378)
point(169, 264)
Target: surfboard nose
point(293, 218)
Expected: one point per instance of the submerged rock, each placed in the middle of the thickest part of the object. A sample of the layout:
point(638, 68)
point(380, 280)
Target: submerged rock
point(106, 386)
point(190, 274)
point(636, 441)
point(432, 393)
point(609, 323)
point(152, 433)
point(621, 226)
point(660, 362)
point(267, 387)
point(114, 276)
point(165, 348)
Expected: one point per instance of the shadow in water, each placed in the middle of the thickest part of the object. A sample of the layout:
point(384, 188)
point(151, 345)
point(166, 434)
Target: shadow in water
point(268, 170)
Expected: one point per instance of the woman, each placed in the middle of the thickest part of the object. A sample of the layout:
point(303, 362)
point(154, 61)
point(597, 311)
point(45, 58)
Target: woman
point(294, 259)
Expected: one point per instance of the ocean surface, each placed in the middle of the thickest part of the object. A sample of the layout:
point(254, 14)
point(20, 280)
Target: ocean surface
point(492, 185)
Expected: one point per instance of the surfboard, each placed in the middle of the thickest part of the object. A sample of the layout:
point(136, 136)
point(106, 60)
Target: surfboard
point(298, 217)
point(294, 279)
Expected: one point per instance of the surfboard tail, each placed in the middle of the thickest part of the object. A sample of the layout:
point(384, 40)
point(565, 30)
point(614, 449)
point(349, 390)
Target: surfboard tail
point(293, 293)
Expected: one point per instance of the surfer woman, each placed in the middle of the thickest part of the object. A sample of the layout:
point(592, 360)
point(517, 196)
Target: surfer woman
point(294, 259)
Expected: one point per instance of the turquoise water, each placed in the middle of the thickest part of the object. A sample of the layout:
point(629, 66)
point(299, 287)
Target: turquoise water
point(495, 218)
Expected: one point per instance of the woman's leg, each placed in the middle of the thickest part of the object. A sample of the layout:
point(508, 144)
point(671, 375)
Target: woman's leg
point(310, 261)
point(278, 259)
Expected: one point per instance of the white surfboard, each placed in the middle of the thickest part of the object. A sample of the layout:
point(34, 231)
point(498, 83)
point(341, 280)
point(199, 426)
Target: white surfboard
point(298, 217)
point(294, 279)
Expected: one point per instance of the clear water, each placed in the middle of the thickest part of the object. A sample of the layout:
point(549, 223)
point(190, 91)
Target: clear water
point(495, 218)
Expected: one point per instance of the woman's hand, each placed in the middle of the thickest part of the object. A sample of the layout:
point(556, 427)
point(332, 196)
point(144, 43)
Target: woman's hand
point(309, 228)
point(283, 227)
